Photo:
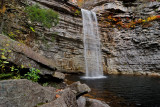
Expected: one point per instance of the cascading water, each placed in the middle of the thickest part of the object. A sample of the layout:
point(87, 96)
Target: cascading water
point(92, 50)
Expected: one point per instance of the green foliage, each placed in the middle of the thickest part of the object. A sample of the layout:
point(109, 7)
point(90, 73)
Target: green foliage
point(32, 75)
point(32, 29)
point(45, 84)
point(39, 104)
point(3, 58)
point(12, 35)
point(14, 69)
point(17, 77)
point(77, 12)
point(9, 70)
point(4, 76)
point(45, 16)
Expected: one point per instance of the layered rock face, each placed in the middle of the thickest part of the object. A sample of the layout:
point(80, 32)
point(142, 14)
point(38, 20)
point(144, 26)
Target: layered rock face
point(67, 48)
point(62, 44)
point(125, 50)
point(131, 50)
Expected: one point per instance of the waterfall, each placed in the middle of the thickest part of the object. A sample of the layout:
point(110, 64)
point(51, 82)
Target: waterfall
point(92, 49)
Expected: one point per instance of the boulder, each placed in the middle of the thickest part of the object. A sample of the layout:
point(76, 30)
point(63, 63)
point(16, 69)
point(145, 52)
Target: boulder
point(24, 93)
point(59, 75)
point(96, 103)
point(86, 102)
point(79, 89)
point(81, 101)
point(66, 98)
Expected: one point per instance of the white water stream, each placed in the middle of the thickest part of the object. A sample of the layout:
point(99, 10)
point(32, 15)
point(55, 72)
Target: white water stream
point(92, 50)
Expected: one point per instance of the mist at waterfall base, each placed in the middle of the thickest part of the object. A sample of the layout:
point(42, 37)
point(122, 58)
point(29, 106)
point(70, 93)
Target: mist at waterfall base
point(92, 49)
point(142, 91)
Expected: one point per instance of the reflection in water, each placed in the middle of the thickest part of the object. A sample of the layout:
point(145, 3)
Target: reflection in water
point(139, 90)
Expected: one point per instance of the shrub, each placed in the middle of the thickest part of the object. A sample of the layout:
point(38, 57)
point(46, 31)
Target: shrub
point(44, 16)
point(32, 75)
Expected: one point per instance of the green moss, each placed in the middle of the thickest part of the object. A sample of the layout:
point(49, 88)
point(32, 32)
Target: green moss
point(45, 16)
point(39, 104)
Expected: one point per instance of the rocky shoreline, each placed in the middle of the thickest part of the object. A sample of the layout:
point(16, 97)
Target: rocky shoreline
point(24, 93)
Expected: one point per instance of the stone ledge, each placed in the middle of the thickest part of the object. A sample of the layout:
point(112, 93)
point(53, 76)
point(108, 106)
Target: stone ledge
point(23, 55)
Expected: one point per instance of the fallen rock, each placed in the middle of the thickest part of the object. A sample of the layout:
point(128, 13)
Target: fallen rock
point(86, 102)
point(65, 99)
point(24, 93)
point(59, 75)
point(81, 102)
point(79, 89)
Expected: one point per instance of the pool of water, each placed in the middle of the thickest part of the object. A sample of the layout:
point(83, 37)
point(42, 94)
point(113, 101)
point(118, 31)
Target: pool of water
point(141, 91)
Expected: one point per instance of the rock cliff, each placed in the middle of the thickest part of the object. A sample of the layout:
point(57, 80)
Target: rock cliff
point(125, 50)
point(67, 48)
point(130, 50)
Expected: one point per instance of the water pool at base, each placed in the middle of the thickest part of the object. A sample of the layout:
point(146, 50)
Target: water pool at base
point(141, 91)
